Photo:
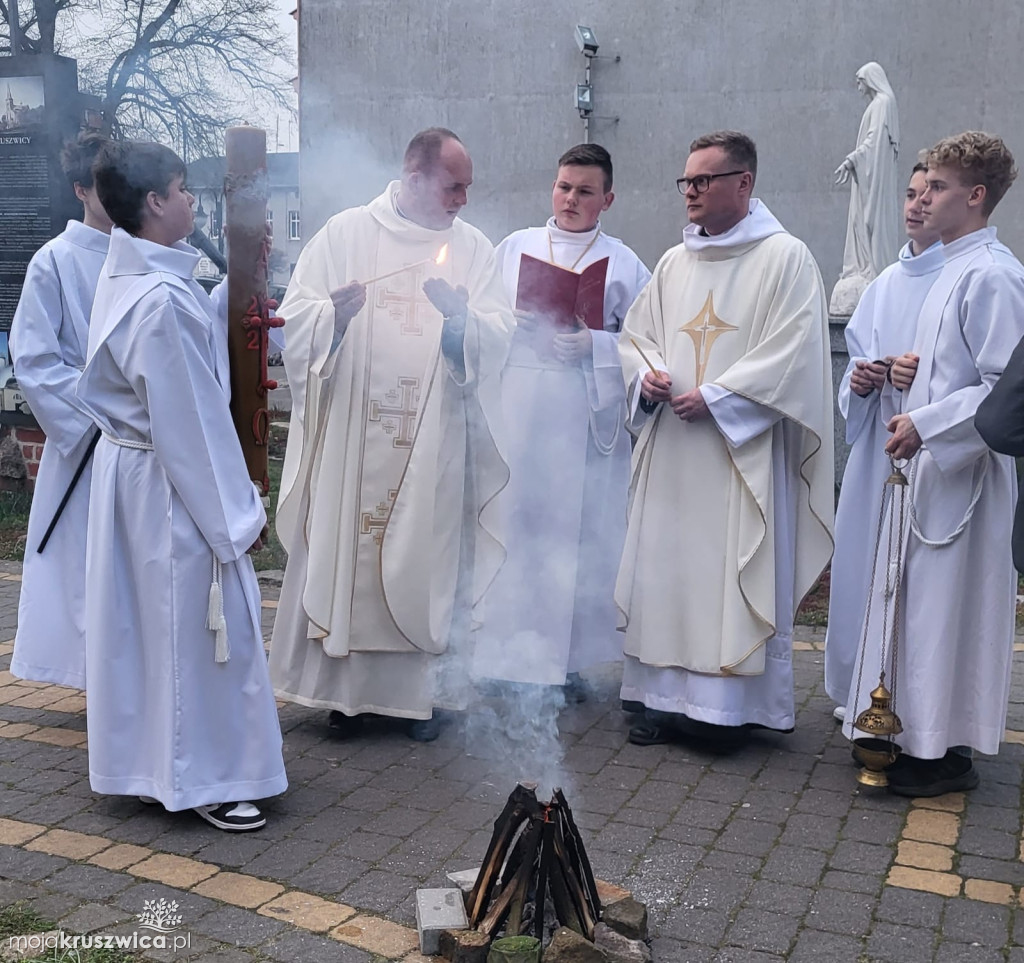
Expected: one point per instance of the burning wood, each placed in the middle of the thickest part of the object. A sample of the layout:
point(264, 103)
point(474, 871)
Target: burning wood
point(543, 857)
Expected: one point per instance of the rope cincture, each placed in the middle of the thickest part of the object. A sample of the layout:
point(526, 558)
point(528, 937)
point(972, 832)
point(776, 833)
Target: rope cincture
point(215, 620)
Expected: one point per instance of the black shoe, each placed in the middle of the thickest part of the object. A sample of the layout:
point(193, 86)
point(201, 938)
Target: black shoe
point(932, 777)
point(343, 725)
point(232, 817)
point(425, 730)
point(656, 728)
point(575, 689)
point(713, 737)
point(631, 705)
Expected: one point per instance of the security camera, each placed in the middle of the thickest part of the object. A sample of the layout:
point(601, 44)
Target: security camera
point(586, 41)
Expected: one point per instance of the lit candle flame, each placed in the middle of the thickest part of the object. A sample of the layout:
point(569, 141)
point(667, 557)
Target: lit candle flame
point(442, 255)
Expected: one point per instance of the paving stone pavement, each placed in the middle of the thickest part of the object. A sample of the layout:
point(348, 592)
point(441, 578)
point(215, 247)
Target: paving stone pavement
point(770, 853)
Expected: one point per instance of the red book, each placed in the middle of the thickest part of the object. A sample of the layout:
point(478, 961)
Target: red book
point(560, 295)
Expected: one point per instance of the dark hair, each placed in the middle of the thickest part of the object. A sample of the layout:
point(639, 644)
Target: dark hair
point(425, 148)
point(589, 155)
point(919, 168)
point(742, 151)
point(125, 173)
point(78, 156)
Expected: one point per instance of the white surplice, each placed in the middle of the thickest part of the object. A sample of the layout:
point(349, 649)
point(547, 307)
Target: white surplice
point(165, 718)
point(49, 337)
point(730, 516)
point(958, 594)
point(389, 507)
point(552, 608)
point(883, 324)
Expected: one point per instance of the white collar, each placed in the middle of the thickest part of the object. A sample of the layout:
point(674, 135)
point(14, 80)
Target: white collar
point(135, 255)
point(756, 226)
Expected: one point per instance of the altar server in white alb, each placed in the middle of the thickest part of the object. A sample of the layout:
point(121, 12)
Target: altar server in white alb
point(398, 328)
point(49, 337)
point(958, 591)
point(180, 705)
point(730, 519)
point(552, 610)
point(882, 327)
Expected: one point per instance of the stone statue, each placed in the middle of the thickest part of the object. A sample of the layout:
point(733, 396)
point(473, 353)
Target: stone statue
point(872, 229)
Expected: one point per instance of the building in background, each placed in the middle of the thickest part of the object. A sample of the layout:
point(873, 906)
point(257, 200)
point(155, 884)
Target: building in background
point(206, 181)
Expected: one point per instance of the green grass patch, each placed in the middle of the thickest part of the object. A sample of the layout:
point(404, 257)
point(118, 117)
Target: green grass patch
point(14, 507)
point(273, 555)
point(18, 920)
point(813, 609)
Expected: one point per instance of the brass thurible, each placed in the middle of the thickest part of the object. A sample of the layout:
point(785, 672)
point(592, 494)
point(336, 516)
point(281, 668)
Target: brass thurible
point(877, 751)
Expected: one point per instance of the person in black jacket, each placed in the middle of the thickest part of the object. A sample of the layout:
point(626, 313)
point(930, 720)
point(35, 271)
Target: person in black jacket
point(1000, 422)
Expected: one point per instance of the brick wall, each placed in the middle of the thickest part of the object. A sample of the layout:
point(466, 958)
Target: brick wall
point(20, 451)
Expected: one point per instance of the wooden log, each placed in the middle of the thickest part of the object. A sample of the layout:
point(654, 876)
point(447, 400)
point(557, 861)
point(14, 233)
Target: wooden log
point(515, 949)
point(520, 805)
point(246, 192)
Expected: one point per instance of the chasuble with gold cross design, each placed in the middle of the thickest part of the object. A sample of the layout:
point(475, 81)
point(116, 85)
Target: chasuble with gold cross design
point(730, 515)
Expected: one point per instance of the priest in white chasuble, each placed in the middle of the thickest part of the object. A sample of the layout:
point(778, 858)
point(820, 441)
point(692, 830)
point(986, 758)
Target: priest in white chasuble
point(552, 612)
point(882, 327)
point(49, 338)
point(398, 327)
point(954, 628)
point(731, 506)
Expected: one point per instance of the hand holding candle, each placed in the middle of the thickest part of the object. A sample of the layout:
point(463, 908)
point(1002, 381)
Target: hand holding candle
point(439, 259)
point(348, 302)
point(656, 385)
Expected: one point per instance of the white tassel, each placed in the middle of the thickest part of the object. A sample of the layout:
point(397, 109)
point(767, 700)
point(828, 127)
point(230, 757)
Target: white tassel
point(215, 620)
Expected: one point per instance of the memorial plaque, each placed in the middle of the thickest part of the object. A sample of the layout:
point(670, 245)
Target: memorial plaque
point(39, 110)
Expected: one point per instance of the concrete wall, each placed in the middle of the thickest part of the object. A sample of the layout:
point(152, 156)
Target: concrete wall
point(503, 75)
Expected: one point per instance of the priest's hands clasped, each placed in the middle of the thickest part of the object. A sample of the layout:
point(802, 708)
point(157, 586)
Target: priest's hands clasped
point(689, 406)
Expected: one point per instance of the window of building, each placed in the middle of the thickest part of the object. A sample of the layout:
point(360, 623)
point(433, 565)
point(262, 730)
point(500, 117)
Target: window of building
point(293, 226)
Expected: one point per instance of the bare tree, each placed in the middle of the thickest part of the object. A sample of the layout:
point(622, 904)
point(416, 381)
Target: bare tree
point(38, 28)
point(177, 71)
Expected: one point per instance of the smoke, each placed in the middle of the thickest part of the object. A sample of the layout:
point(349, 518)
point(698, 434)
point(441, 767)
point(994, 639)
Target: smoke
point(516, 726)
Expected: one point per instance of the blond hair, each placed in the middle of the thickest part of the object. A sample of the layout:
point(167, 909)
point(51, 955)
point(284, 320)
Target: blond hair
point(978, 158)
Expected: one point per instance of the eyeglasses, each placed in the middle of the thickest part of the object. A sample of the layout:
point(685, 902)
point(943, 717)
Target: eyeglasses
point(702, 182)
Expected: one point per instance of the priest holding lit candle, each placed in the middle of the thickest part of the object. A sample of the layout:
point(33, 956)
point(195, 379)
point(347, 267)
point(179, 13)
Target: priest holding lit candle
point(398, 328)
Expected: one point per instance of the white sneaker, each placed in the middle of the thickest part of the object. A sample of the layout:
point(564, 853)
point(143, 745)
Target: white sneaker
point(233, 817)
point(839, 713)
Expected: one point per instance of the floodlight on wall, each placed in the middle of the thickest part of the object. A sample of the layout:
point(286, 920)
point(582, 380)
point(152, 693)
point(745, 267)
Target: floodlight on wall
point(584, 99)
point(586, 41)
